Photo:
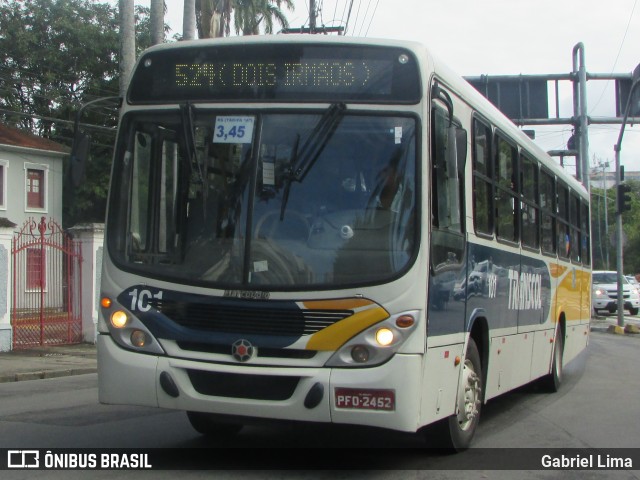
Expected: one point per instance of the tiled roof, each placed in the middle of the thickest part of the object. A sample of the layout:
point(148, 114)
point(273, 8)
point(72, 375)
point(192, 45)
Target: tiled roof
point(19, 138)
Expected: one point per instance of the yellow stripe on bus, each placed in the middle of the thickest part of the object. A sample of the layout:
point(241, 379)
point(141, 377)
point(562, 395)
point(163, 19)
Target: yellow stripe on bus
point(557, 270)
point(333, 337)
point(338, 304)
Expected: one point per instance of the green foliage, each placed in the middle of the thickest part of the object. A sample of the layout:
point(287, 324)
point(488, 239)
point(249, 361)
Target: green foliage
point(250, 15)
point(630, 225)
point(56, 55)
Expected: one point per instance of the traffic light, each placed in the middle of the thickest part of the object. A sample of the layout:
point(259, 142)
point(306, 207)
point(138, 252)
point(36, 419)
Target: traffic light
point(624, 199)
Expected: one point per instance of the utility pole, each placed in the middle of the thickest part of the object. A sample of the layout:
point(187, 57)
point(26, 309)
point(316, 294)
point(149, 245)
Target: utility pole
point(604, 165)
point(312, 15)
point(313, 26)
point(620, 203)
point(580, 106)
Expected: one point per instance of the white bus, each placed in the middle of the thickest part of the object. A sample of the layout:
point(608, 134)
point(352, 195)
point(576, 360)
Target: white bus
point(330, 229)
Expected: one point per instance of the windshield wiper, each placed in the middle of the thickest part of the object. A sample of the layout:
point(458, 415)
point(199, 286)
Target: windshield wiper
point(301, 162)
point(186, 111)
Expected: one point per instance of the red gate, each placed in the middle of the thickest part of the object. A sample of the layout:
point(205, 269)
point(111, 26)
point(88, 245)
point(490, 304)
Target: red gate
point(47, 286)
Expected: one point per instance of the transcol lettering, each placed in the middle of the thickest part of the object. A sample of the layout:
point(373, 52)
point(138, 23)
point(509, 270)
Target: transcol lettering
point(525, 290)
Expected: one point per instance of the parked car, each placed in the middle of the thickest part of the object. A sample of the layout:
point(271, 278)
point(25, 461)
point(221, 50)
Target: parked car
point(605, 293)
point(632, 280)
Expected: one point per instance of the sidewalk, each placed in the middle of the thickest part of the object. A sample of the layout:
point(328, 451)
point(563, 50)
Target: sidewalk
point(61, 361)
point(603, 323)
point(47, 362)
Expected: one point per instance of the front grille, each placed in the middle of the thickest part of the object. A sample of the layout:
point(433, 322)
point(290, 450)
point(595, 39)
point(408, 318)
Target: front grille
point(255, 387)
point(614, 294)
point(262, 351)
point(266, 318)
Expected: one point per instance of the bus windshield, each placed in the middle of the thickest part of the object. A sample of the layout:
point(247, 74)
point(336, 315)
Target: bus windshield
point(244, 199)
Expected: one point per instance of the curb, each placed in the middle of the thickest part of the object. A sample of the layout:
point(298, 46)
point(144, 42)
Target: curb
point(615, 329)
point(44, 374)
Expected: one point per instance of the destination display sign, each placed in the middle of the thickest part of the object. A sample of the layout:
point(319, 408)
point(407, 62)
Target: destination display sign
point(276, 72)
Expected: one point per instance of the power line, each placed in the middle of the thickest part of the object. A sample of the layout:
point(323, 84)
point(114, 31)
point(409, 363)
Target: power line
point(364, 18)
point(372, 16)
point(58, 120)
point(355, 22)
point(346, 25)
point(70, 78)
point(615, 62)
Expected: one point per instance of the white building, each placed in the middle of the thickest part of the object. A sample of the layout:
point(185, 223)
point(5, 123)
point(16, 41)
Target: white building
point(30, 188)
point(30, 176)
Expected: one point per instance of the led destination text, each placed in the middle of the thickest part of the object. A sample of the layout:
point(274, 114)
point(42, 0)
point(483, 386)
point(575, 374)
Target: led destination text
point(253, 74)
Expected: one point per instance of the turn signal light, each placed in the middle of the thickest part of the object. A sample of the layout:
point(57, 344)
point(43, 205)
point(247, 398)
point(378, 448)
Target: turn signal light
point(119, 319)
point(105, 302)
point(405, 321)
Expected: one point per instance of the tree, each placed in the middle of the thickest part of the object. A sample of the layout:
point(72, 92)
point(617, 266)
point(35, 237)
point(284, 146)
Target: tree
point(56, 55)
point(631, 227)
point(251, 14)
point(51, 61)
point(127, 43)
point(188, 20)
point(157, 11)
point(214, 16)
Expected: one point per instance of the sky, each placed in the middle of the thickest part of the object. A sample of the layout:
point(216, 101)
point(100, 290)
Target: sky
point(507, 37)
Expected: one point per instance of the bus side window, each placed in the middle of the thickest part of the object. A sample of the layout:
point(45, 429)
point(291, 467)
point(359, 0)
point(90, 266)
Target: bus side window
point(529, 207)
point(548, 207)
point(447, 184)
point(507, 204)
point(563, 231)
point(482, 183)
point(584, 227)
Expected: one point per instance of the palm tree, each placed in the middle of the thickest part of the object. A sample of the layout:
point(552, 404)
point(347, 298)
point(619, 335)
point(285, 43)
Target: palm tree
point(157, 21)
point(251, 14)
point(189, 20)
point(214, 16)
point(127, 43)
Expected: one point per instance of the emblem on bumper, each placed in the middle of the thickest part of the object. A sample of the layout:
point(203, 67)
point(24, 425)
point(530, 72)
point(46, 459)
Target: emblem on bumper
point(242, 350)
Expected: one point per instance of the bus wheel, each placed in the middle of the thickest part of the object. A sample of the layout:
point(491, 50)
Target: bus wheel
point(456, 432)
point(552, 381)
point(206, 424)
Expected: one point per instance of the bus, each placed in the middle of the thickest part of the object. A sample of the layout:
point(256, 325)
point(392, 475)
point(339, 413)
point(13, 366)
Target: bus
point(330, 229)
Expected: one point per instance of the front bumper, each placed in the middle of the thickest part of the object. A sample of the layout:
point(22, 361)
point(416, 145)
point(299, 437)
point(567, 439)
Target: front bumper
point(278, 393)
point(612, 305)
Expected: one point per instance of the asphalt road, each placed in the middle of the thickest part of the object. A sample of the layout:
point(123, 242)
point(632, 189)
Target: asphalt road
point(597, 407)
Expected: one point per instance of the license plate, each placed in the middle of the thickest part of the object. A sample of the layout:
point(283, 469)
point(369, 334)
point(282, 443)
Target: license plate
point(365, 399)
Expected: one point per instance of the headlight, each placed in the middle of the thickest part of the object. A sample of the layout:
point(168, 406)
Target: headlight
point(127, 330)
point(598, 292)
point(376, 344)
point(119, 319)
point(384, 337)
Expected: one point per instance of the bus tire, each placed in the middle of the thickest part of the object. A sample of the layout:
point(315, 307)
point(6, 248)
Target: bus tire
point(206, 425)
point(552, 381)
point(456, 432)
